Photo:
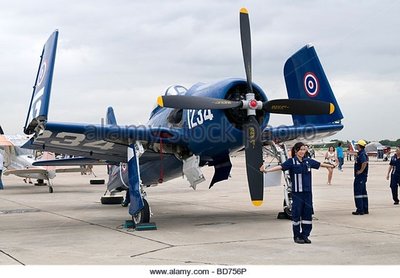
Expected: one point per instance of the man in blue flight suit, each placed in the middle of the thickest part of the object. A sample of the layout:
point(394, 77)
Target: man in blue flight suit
point(360, 179)
point(299, 168)
point(394, 170)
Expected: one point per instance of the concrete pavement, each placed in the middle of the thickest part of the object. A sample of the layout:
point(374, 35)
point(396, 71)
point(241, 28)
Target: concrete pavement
point(217, 226)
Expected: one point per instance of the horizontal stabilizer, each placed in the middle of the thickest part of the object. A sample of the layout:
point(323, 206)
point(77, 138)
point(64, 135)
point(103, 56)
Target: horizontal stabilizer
point(305, 133)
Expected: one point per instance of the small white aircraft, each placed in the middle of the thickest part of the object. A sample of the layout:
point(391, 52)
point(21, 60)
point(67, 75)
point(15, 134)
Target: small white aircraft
point(20, 162)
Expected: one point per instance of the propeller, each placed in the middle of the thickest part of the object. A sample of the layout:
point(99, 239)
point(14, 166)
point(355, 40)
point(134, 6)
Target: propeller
point(252, 132)
point(251, 129)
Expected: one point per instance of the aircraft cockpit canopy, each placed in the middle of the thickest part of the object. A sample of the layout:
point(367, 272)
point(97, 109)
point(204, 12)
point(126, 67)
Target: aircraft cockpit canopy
point(175, 90)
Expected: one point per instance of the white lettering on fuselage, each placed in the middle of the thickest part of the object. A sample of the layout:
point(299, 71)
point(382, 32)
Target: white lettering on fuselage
point(198, 117)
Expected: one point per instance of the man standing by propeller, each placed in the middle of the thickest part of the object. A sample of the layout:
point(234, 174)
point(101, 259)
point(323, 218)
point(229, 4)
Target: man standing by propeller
point(299, 168)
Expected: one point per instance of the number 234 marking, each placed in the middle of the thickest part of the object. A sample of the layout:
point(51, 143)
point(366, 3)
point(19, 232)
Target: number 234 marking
point(198, 117)
point(70, 139)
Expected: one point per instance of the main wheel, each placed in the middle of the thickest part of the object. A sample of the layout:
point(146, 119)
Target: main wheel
point(142, 216)
point(287, 209)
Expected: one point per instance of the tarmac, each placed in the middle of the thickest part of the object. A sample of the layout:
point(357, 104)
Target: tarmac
point(217, 226)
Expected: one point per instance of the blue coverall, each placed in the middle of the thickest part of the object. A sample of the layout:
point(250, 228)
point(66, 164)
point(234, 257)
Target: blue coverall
point(300, 176)
point(360, 183)
point(395, 177)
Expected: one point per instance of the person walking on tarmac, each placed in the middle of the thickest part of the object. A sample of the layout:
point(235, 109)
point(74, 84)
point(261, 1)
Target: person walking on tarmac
point(360, 179)
point(330, 157)
point(299, 168)
point(340, 156)
point(394, 171)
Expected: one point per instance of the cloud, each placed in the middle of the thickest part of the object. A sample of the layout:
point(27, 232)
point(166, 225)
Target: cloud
point(126, 53)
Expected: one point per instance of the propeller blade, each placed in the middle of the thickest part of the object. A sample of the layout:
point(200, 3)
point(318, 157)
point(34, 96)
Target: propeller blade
point(253, 152)
point(245, 37)
point(196, 102)
point(298, 107)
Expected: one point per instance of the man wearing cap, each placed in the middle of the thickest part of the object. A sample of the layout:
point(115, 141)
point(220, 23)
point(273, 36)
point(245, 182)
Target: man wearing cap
point(360, 179)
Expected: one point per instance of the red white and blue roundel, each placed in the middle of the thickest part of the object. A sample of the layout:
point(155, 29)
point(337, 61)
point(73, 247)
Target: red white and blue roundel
point(311, 84)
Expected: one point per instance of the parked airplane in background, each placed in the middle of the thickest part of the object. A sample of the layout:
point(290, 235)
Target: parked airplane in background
point(376, 149)
point(194, 127)
point(117, 173)
point(21, 162)
point(18, 161)
point(373, 149)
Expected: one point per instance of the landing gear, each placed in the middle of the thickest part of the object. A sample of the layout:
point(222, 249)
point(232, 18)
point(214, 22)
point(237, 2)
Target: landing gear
point(279, 153)
point(49, 185)
point(142, 216)
point(287, 210)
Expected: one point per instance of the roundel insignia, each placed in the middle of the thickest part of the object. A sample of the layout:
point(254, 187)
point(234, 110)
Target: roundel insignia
point(311, 84)
point(42, 73)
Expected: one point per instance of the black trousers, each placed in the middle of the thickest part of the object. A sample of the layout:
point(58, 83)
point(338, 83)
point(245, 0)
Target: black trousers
point(394, 186)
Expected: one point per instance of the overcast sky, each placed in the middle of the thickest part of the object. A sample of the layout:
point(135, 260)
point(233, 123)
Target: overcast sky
point(124, 53)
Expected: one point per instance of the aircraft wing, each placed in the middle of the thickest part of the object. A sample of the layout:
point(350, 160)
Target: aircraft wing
point(28, 171)
point(300, 132)
point(74, 161)
point(99, 142)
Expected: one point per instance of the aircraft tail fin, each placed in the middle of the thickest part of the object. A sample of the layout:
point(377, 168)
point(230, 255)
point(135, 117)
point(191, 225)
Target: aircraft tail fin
point(351, 145)
point(110, 117)
point(306, 79)
point(1, 131)
point(4, 141)
point(48, 156)
point(39, 105)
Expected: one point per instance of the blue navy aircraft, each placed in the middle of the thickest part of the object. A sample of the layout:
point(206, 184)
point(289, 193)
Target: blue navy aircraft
point(194, 127)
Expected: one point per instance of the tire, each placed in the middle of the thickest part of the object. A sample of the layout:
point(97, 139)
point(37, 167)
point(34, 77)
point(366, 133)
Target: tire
point(144, 215)
point(287, 210)
point(97, 181)
point(111, 200)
